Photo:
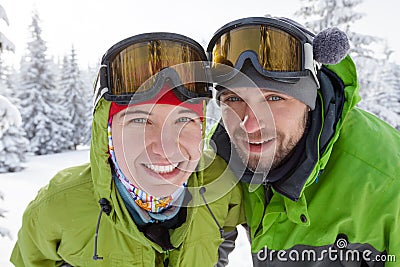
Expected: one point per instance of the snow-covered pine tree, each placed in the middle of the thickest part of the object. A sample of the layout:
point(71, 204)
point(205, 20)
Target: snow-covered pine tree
point(322, 14)
point(385, 100)
point(366, 50)
point(41, 112)
point(3, 231)
point(5, 44)
point(89, 77)
point(87, 134)
point(75, 100)
point(68, 128)
point(9, 117)
point(13, 144)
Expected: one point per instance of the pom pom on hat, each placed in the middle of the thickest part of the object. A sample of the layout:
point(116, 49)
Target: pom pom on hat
point(330, 46)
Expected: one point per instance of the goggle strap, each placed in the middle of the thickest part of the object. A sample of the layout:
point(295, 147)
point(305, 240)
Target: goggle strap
point(97, 98)
point(309, 63)
point(103, 76)
point(100, 87)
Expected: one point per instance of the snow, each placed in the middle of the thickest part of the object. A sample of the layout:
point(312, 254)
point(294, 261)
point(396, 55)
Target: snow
point(20, 188)
point(6, 44)
point(9, 115)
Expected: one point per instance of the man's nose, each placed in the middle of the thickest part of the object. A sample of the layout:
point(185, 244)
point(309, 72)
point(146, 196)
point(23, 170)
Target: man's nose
point(252, 121)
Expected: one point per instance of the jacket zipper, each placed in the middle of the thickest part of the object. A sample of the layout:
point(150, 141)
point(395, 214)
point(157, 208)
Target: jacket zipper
point(267, 198)
point(166, 258)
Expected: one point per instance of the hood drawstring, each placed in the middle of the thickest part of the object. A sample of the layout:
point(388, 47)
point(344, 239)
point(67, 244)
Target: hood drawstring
point(202, 190)
point(105, 207)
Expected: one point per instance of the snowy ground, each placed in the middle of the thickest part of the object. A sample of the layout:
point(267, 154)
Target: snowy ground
point(20, 188)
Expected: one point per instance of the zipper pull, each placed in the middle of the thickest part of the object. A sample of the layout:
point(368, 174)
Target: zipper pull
point(166, 258)
point(268, 193)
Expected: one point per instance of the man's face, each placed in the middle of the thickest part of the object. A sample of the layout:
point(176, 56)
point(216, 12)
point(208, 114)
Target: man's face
point(157, 147)
point(263, 125)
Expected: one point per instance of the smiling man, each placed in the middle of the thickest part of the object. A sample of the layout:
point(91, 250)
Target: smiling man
point(320, 176)
point(264, 126)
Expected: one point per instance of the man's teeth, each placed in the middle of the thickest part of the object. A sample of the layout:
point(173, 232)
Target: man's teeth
point(260, 142)
point(162, 169)
point(256, 143)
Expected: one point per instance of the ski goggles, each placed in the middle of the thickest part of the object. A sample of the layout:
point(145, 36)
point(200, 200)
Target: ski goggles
point(135, 69)
point(278, 48)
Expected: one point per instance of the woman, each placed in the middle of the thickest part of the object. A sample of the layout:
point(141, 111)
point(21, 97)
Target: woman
point(165, 202)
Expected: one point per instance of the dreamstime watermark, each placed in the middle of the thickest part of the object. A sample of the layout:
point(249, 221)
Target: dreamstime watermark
point(334, 253)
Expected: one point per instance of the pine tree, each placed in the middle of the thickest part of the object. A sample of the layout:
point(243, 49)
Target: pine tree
point(87, 134)
point(366, 50)
point(38, 97)
point(3, 231)
point(13, 144)
point(322, 14)
point(75, 99)
point(68, 127)
point(5, 44)
point(88, 77)
point(385, 100)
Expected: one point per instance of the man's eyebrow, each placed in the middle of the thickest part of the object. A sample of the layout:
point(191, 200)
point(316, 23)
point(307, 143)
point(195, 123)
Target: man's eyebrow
point(227, 91)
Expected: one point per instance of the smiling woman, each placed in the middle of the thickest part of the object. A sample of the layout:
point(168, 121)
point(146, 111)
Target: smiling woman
point(167, 141)
point(168, 203)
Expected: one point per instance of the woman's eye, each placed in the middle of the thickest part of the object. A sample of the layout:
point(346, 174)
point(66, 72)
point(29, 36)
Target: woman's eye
point(139, 120)
point(184, 119)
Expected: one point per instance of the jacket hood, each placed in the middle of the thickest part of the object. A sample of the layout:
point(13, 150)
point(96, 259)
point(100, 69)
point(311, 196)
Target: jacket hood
point(336, 97)
point(101, 169)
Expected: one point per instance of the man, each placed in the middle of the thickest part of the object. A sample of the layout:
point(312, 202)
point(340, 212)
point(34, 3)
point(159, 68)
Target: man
point(320, 176)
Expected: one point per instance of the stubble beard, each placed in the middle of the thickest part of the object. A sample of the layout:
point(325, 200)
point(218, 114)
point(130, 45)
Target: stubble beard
point(282, 150)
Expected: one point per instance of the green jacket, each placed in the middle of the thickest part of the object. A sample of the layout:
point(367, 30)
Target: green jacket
point(59, 225)
point(343, 197)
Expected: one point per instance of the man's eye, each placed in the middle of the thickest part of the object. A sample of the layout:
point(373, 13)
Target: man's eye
point(232, 99)
point(274, 98)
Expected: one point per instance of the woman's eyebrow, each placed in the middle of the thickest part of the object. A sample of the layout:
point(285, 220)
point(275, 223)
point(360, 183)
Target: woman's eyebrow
point(137, 111)
point(182, 111)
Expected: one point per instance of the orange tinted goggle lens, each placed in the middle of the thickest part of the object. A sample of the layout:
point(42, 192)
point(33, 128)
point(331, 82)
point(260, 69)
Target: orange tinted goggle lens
point(136, 66)
point(276, 50)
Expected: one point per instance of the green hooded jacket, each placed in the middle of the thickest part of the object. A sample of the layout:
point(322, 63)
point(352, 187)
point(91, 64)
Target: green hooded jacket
point(340, 206)
point(59, 225)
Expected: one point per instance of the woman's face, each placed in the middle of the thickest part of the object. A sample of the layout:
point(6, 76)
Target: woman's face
point(157, 146)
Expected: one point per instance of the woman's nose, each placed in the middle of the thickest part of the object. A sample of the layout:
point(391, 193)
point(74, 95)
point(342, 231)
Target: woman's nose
point(163, 142)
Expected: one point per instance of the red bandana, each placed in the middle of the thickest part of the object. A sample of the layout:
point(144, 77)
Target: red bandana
point(165, 96)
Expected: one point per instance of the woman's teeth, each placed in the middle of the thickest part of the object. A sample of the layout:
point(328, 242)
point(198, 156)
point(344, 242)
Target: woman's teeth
point(162, 168)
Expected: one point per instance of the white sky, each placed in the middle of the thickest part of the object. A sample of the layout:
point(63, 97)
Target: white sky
point(92, 26)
